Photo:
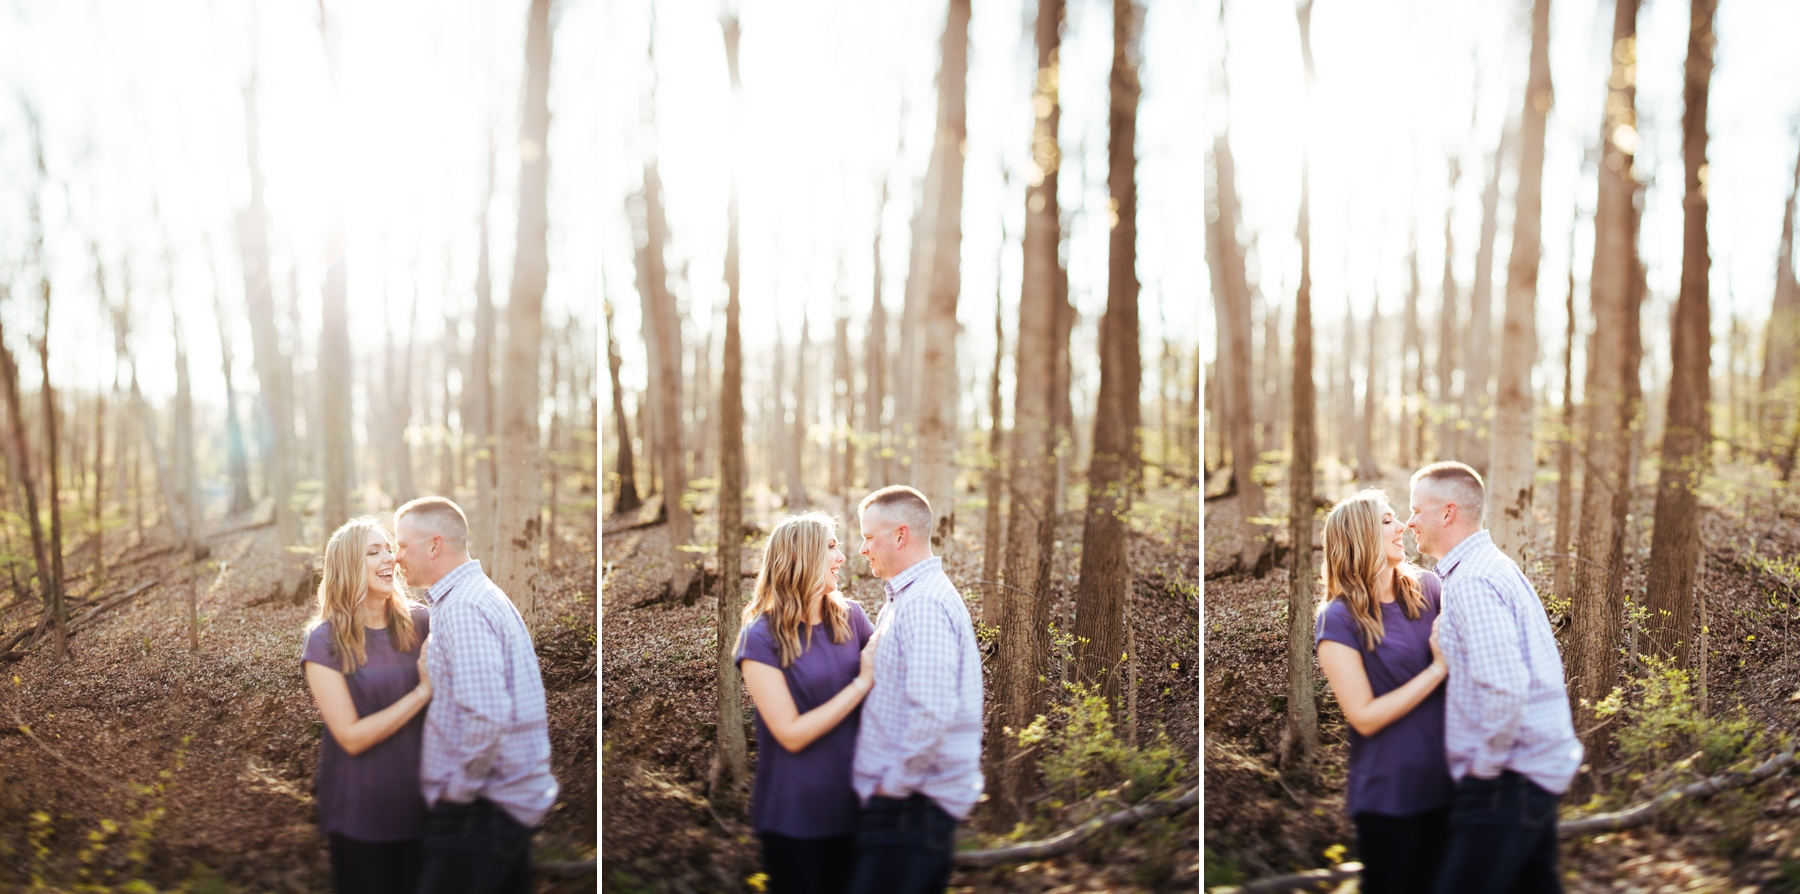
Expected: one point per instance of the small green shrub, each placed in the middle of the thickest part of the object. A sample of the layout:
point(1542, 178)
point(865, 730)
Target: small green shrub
point(1082, 756)
point(1661, 728)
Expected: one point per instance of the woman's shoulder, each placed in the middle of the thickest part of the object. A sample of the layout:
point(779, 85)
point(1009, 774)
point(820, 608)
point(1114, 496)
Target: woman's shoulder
point(421, 615)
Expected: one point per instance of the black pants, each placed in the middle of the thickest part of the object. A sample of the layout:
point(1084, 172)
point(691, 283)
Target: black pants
point(808, 865)
point(1502, 838)
point(375, 867)
point(475, 848)
point(903, 846)
point(1402, 854)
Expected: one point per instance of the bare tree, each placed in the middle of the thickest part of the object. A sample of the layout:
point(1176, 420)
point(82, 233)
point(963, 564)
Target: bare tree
point(1478, 351)
point(1300, 738)
point(1449, 322)
point(1412, 350)
point(1563, 570)
point(478, 381)
point(237, 452)
point(18, 449)
point(1512, 466)
point(1103, 592)
point(625, 498)
point(1366, 468)
point(518, 472)
point(1782, 337)
point(796, 446)
point(1675, 543)
point(875, 374)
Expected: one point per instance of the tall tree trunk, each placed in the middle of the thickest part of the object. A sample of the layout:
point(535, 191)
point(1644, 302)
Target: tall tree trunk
point(1366, 467)
point(1061, 413)
point(184, 481)
point(399, 408)
point(1563, 570)
point(875, 374)
point(1412, 351)
point(625, 496)
point(994, 481)
point(1232, 308)
point(935, 460)
point(841, 379)
point(518, 470)
point(334, 400)
point(1449, 323)
point(729, 775)
point(1598, 600)
point(1512, 466)
point(1479, 349)
point(796, 445)
point(663, 335)
point(19, 458)
point(1782, 338)
point(1024, 601)
point(1675, 543)
point(1104, 587)
point(51, 574)
point(1300, 740)
point(478, 385)
point(238, 453)
point(1277, 396)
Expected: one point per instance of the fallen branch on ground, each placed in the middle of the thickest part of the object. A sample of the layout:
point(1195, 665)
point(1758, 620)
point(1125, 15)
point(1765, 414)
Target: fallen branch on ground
point(75, 624)
point(1313, 880)
point(1068, 840)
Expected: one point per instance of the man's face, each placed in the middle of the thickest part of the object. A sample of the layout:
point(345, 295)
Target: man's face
point(416, 551)
point(879, 544)
point(1427, 521)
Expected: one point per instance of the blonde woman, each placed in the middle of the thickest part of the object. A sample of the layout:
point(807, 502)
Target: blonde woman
point(364, 663)
point(806, 655)
point(1376, 644)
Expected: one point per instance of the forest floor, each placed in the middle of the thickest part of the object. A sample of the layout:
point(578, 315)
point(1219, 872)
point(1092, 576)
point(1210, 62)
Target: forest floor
point(1257, 825)
point(659, 706)
point(148, 764)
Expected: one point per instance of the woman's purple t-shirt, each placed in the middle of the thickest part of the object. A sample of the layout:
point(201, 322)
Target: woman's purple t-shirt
point(808, 794)
point(1402, 769)
point(374, 796)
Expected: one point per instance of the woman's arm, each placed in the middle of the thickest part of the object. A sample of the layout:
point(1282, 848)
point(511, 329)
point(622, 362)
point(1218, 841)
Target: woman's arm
point(794, 730)
point(357, 735)
point(1367, 714)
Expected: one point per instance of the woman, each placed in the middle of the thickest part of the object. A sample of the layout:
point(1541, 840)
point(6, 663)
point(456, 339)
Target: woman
point(806, 654)
point(1380, 654)
point(365, 665)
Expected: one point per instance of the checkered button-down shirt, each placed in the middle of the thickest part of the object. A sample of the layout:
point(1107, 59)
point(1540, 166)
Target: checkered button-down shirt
point(921, 724)
point(487, 734)
point(1507, 707)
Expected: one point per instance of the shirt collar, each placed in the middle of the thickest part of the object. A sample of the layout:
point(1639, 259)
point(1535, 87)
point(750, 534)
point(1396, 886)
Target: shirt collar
point(904, 579)
point(1462, 551)
point(448, 582)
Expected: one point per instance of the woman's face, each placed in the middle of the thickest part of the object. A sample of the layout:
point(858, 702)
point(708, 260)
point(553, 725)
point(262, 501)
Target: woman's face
point(834, 559)
point(378, 556)
point(1393, 528)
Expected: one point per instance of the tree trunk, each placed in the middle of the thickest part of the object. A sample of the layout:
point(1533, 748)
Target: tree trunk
point(875, 376)
point(400, 411)
point(1300, 740)
point(662, 333)
point(19, 457)
point(478, 387)
point(1412, 351)
point(1597, 599)
point(841, 391)
point(1277, 398)
point(796, 445)
point(1782, 338)
point(238, 454)
point(1675, 544)
point(1563, 570)
point(1366, 467)
point(994, 481)
point(518, 468)
point(1512, 466)
point(1449, 323)
point(935, 460)
point(1061, 413)
point(1018, 693)
point(625, 496)
point(184, 484)
point(334, 400)
point(1479, 349)
point(50, 574)
point(1105, 583)
point(1232, 308)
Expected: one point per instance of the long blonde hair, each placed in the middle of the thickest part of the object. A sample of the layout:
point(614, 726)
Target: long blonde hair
point(1354, 560)
point(342, 588)
point(795, 565)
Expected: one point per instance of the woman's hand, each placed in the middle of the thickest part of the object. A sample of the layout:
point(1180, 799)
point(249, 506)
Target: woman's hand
point(866, 674)
point(1437, 652)
point(424, 675)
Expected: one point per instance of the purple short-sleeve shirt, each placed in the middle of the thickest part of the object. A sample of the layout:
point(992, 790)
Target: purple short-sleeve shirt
point(1402, 769)
point(808, 795)
point(373, 796)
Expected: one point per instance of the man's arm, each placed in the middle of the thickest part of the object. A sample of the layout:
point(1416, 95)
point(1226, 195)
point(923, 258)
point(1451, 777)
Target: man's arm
point(474, 653)
point(926, 644)
point(1498, 677)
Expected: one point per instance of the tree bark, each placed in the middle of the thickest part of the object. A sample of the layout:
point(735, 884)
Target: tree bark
point(1449, 322)
point(1367, 470)
point(237, 452)
point(1675, 543)
point(1563, 570)
point(19, 457)
point(1018, 693)
point(399, 408)
point(625, 495)
point(1782, 338)
point(796, 446)
point(1104, 586)
point(1512, 465)
point(1412, 404)
point(662, 334)
point(518, 471)
point(939, 390)
point(994, 480)
point(1232, 308)
point(1597, 599)
point(1472, 441)
point(478, 386)
point(1300, 740)
point(334, 400)
point(875, 376)
point(184, 486)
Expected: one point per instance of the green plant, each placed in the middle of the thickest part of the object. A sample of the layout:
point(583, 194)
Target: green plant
point(1219, 870)
point(1082, 756)
point(1663, 737)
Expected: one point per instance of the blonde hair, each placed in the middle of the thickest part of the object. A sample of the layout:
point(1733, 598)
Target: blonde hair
point(1354, 560)
point(795, 565)
point(341, 590)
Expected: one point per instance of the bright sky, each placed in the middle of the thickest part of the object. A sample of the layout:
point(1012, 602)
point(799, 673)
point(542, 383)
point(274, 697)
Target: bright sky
point(143, 123)
point(1396, 79)
point(825, 86)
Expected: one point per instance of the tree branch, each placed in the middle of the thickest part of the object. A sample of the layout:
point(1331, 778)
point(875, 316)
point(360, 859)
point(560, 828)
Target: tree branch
point(1068, 840)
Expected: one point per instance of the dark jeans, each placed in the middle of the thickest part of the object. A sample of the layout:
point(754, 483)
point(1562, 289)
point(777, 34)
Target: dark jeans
point(1402, 854)
point(809, 865)
point(1502, 838)
point(475, 848)
point(903, 846)
point(375, 867)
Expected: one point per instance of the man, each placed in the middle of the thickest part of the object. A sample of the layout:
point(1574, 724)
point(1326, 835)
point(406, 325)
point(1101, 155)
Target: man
point(1508, 733)
point(486, 759)
point(918, 753)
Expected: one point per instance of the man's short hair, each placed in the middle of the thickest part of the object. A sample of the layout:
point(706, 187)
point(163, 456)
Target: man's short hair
point(439, 516)
point(1458, 483)
point(904, 505)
